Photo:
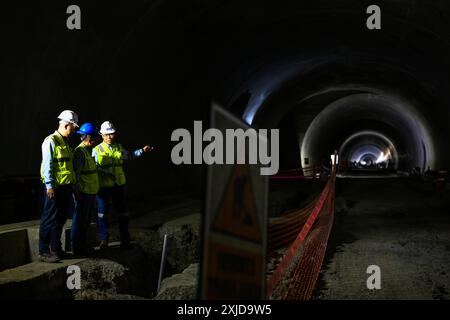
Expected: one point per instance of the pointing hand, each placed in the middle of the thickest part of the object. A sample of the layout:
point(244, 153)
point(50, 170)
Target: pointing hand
point(147, 148)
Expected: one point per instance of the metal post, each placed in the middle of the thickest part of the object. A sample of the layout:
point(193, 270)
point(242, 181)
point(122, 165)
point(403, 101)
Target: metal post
point(163, 258)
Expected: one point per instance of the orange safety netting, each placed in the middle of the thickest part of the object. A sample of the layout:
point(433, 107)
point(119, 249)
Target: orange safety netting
point(303, 260)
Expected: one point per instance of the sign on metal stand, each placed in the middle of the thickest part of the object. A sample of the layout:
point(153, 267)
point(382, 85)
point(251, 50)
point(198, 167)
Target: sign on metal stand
point(235, 224)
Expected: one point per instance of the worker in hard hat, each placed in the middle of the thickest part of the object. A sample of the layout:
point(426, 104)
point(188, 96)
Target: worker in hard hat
point(58, 176)
point(85, 189)
point(109, 156)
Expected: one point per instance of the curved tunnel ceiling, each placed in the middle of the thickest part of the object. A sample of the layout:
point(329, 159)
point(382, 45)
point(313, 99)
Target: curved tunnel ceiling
point(360, 100)
point(379, 103)
point(302, 61)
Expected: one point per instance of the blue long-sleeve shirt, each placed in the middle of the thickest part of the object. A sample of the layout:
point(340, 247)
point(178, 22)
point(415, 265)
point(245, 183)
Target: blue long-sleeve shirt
point(48, 146)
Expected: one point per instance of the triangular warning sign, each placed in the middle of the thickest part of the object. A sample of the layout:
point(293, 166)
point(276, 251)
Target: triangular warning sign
point(237, 213)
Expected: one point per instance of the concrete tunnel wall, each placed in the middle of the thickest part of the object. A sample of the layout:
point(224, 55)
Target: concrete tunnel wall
point(411, 135)
point(157, 65)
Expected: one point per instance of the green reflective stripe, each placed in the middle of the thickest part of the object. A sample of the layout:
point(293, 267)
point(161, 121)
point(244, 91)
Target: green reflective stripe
point(62, 160)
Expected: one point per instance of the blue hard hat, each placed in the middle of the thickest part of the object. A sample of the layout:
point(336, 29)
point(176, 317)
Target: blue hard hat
point(88, 128)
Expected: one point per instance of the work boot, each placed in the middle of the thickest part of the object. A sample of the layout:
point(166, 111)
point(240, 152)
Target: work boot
point(49, 257)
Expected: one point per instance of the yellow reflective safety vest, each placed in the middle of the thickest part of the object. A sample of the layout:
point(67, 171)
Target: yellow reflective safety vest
point(110, 161)
point(88, 179)
point(63, 172)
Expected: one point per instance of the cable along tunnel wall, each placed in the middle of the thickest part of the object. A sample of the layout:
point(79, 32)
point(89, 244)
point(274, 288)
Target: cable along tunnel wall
point(297, 273)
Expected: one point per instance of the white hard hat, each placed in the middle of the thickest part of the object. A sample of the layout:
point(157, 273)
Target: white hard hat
point(69, 116)
point(107, 128)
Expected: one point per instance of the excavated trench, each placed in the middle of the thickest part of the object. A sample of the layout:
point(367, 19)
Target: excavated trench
point(133, 274)
point(136, 277)
point(113, 273)
point(116, 273)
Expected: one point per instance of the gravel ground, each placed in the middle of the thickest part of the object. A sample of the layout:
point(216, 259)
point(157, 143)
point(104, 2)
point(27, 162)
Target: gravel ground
point(399, 225)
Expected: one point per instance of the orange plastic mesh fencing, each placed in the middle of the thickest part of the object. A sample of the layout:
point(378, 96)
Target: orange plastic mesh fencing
point(297, 273)
point(306, 271)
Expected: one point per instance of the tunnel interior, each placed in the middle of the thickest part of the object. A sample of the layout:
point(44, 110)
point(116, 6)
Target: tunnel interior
point(157, 66)
point(313, 70)
point(367, 125)
point(372, 145)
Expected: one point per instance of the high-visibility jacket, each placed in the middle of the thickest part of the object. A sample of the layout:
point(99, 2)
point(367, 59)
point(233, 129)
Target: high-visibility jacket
point(88, 180)
point(111, 162)
point(62, 157)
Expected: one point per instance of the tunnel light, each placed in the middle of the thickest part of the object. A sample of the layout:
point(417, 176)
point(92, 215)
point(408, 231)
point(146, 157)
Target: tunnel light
point(383, 157)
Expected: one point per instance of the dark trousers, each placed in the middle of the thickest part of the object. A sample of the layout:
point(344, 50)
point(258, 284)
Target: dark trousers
point(116, 196)
point(54, 216)
point(81, 220)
